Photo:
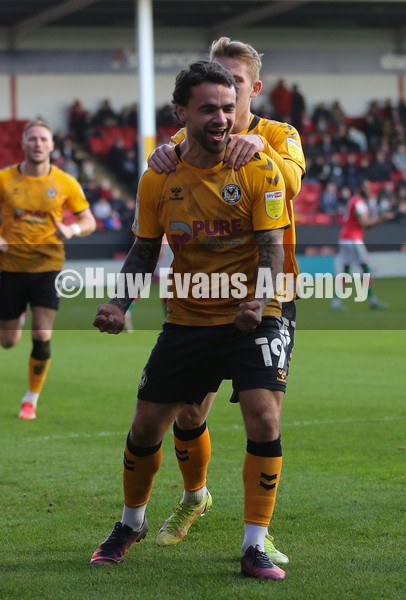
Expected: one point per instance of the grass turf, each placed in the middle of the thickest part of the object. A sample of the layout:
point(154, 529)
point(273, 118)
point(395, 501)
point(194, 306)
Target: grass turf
point(340, 509)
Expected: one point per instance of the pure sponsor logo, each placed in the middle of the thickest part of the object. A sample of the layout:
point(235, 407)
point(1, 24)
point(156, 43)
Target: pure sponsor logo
point(218, 232)
point(30, 216)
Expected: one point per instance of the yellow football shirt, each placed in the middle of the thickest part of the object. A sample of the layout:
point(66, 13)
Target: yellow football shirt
point(28, 207)
point(210, 217)
point(285, 140)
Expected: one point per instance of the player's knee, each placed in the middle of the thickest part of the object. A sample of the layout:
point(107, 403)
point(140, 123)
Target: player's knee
point(9, 339)
point(191, 417)
point(7, 344)
point(149, 424)
point(145, 434)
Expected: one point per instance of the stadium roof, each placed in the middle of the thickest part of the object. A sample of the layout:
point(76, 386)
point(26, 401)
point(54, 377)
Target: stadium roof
point(19, 16)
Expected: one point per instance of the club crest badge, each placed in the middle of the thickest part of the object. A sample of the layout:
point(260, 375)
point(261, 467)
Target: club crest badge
point(231, 193)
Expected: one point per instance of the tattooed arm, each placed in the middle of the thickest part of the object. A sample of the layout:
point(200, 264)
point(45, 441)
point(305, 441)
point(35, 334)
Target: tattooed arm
point(270, 262)
point(141, 260)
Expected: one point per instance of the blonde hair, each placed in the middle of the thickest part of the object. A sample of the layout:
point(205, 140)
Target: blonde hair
point(242, 52)
point(37, 123)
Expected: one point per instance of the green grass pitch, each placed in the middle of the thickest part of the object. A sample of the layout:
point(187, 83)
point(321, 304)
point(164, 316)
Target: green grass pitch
point(340, 511)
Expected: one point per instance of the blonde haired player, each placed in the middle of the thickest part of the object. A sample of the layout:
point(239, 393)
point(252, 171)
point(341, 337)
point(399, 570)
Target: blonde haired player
point(33, 196)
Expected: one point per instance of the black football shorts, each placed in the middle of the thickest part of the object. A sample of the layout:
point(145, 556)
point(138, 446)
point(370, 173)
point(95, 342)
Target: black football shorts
point(188, 362)
point(19, 289)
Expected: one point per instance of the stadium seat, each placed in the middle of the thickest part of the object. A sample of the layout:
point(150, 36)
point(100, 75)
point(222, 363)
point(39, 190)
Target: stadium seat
point(99, 146)
point(322, 219)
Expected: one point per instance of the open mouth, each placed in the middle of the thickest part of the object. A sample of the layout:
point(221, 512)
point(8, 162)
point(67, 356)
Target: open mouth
point(218, 134)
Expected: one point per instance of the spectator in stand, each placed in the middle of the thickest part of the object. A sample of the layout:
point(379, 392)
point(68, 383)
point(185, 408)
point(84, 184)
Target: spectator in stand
point(374, 107)
point(312, 146)
point(117, 156)
point(337, 114)
point(105, 115)
point(402, 111)
point(321, 118)
point(344, 196)
point(165, 117)
point(326, 145)
point(388, 131)
point(57, 158)
point(364, 169)
point(113, 222)
point(399, 157)
point(59, 139)
point(281, 101)
point(329, 199)
point(104, 189)
point(117, 202)
point(399, 133)
point(336, 175)
point(321, 169)
point(401, 182)
point(358, 137)
point(129, 170)
point(91, 190)
point(128, 116)
point(86, 173)
point(342, 142)
point(387, 199)
point(381, 167)
point(313, 169)
point(68, 149)
point(71, 167)
point(351, 172)
point(132, 115)
point(388, 110)
point(401, 206)
point(127, 216)
point(77, 116)
point(101, 209)
point(297, 108)
point(373, 129)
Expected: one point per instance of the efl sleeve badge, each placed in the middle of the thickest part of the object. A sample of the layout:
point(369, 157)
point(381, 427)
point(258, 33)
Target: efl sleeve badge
point(274, 204)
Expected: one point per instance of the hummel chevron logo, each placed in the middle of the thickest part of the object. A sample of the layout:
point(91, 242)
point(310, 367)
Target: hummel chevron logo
point(182, 455)
point(268, 486)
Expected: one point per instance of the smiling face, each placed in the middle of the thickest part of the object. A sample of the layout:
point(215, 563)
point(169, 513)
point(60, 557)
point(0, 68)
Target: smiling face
point(209, 115)
point(37, 145)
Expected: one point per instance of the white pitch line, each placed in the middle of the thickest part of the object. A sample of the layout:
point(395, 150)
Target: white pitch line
point(100, 434)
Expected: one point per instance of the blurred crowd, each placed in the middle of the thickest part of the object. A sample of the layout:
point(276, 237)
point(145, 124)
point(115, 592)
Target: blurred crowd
point(112, 207)
point(341, 152)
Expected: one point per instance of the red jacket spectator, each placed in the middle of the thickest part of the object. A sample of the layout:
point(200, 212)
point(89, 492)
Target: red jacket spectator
point(281, 100)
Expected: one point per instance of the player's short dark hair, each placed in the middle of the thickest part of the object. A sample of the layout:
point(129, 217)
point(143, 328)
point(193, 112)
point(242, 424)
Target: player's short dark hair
point(197, 73)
